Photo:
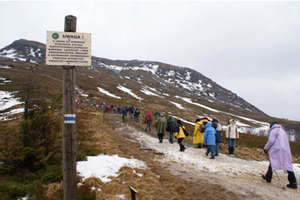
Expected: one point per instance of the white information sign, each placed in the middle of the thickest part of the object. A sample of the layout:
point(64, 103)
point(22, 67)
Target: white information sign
point(68, 48)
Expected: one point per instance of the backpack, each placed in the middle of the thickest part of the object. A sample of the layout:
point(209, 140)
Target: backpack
point(186, 133)
point(219, 127)
point(202, 128)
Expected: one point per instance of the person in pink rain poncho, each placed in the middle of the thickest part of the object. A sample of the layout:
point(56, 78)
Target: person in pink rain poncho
point(280, 156)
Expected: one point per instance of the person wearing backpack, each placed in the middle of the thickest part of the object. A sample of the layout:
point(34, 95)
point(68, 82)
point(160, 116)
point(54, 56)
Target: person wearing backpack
point(217, 126)
point(171, 126)
point(180, 135)
point(137, 114)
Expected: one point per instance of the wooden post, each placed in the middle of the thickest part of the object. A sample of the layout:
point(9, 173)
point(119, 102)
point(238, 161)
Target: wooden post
point(69, 126)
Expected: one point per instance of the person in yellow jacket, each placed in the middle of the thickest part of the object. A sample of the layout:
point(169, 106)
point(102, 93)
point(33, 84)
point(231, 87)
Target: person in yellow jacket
point(197, 136)
point(180, 135)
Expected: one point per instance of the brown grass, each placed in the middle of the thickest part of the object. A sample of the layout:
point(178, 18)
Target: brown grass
point(52, 190)
point(152, 183)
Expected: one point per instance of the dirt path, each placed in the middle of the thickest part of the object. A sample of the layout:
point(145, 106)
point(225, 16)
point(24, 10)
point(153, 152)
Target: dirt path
point(236, 175)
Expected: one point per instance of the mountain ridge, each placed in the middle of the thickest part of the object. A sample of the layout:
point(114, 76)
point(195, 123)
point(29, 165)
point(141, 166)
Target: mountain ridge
point(150, 85)
point(181, 78)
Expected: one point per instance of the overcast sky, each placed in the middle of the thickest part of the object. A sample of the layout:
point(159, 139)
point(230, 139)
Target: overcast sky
point(251, 48)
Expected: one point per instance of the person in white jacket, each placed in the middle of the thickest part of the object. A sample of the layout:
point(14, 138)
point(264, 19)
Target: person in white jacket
point(232, 135)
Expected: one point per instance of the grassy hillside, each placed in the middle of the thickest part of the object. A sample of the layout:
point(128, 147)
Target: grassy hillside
point(95, 137)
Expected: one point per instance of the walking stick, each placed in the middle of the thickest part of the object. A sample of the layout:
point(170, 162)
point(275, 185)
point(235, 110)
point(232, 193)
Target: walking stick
point(267, 153)
point(279, 180)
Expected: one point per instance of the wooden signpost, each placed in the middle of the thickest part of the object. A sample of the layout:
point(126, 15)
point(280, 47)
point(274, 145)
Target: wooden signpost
point(69, 49)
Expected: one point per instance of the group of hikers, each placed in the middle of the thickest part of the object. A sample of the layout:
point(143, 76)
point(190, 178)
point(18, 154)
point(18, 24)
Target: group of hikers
point(134, 113)
point(175, 129)
point(208, 133)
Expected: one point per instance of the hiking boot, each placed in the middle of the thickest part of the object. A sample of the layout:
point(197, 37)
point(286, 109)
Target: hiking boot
point(212, 157)
point(265, 178)
point(292, 185)
point(206, 153)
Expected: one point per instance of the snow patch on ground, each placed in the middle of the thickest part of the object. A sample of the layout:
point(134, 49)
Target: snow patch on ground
point(107, 93)
point(103, 166)
point(149, 93)
point(178, 105)
point(128, 91)
point(7, 100)
point(188, 100)
point(183, 120)
point(144, 67)
point(5, 67)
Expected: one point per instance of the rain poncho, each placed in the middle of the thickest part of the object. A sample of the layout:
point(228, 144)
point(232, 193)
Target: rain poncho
point(279, 149)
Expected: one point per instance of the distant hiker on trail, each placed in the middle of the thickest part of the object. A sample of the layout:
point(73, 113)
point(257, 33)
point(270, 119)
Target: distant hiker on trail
point(210, 139)
point(217, 126)
point(137, 114)
point(148, 120)
point(129, 110)
point(228, 123)
point(232, 135)
point(157, 114)
point(180, 135)
point(280, 157)
point(161, 126)
point(171, 127)
point(197, 136)
point(124, 113)
point(132, 112)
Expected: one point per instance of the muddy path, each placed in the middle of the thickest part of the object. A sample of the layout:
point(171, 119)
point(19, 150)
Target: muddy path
point(239, 176)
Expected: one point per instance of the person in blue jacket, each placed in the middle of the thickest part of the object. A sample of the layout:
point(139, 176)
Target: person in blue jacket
point(210, 139)
point(124, 113)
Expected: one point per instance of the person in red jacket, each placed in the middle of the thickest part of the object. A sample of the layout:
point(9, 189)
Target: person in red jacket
point(148, 120)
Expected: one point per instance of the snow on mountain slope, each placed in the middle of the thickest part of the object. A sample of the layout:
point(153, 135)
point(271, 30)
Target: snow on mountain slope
point(24, 51)
point(179, 78)
point(143, 80)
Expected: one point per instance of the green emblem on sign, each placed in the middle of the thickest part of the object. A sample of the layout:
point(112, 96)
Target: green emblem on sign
point(55, 36)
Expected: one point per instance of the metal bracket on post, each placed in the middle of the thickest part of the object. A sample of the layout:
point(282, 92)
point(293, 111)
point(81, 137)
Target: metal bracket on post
point(133, 192)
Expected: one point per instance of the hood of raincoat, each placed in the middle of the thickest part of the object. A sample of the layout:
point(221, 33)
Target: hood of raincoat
point(171, 119)
point(208, 125)
point(215, 120)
